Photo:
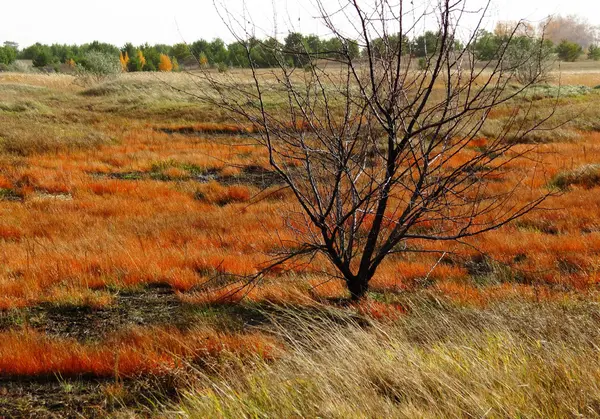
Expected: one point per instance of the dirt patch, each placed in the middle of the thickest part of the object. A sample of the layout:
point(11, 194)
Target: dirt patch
point(151, 306)
point(256, 176)
point(214, 129)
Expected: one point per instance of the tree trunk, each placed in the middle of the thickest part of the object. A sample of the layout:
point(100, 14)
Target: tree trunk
point(358, 287)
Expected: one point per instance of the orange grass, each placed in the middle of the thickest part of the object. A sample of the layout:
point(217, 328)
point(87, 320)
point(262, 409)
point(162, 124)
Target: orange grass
point(76, 230)
point(136, 352)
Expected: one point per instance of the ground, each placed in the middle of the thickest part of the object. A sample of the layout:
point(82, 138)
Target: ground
point(119, 201)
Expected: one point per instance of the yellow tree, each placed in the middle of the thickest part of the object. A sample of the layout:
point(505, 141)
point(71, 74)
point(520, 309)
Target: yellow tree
point(165, 63)
point(124, 59)
point(141, 59)
point(203, 60)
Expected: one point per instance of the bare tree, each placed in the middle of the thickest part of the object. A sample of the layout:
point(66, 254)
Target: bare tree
point(378, 151)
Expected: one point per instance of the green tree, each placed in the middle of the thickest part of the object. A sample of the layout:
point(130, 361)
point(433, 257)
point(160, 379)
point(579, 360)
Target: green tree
point(129, 49)
point(296, 50)
point(426, 45)
point(236, 55)
point(100, 47)
point(8, 55)
point(199, 47)
point(487, 46)
point(217, 52)
point(594, 52)
point(181, 51)
point(314, 44)
point(568, 51)
point(42, 57)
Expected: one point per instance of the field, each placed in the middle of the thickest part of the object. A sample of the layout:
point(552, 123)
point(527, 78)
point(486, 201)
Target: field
point(118, 201)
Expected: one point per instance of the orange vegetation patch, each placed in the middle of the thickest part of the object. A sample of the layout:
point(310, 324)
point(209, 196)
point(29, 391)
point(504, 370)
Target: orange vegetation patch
point(139, 351)
point(211, 128)
point(468, 294)
point(275, 293)
point(379, 310)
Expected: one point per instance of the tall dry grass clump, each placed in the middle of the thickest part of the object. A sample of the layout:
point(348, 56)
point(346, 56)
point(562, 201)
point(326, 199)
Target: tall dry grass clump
point(514, 360)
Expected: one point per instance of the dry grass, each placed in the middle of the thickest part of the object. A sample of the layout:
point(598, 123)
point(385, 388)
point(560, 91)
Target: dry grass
point(513, 360)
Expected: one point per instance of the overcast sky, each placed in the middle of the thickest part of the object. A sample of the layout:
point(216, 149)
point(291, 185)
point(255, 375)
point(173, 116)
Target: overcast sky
point(169, 22)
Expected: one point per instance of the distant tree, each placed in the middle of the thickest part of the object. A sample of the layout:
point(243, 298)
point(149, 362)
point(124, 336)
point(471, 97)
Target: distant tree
point(530, 57)
point(507, 28)
point(217, 52)
point(181, 51)
point(129, 49)
point(141, 59)
point(124, 60)
point(137, 61)
point(426, 44)
point(236, 55)
point(63, 53)
point(8, 55)
point(391, 44)
point(151, 57)
point(594, 52)
point(314, 44)
point(42, 58)
point(571, 28)
point(163, 49)
point(175, 64)
point(486, 46)
point(352, 49)
point(199, 47)
point(100, 47)
point(96, 66)
point(296, 50)
point(11, 44)
point(203, 60)
point(568, 51)
point(165, 63)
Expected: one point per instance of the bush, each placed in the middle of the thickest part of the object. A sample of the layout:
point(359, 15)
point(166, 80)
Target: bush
point(222, 68)
point(42, 58)
point(587, 176)
point(568, 51)
point(97, 66)
point(4, 67)
point(529, 59)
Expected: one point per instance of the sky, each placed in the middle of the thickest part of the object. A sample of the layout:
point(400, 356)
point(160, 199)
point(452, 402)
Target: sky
point(173, 21)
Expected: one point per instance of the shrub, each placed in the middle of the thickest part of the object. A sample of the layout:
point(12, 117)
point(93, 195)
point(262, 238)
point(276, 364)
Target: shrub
point(222, 68)
point(587, 176)
point(529, 59)
point(97, 66)
point(568, 51)
point(42, 58)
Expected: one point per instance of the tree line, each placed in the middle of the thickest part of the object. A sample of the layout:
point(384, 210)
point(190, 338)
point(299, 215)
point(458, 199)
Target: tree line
point(296, 50)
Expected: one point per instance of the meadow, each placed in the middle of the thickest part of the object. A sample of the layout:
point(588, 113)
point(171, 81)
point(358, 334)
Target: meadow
point(118, 201)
